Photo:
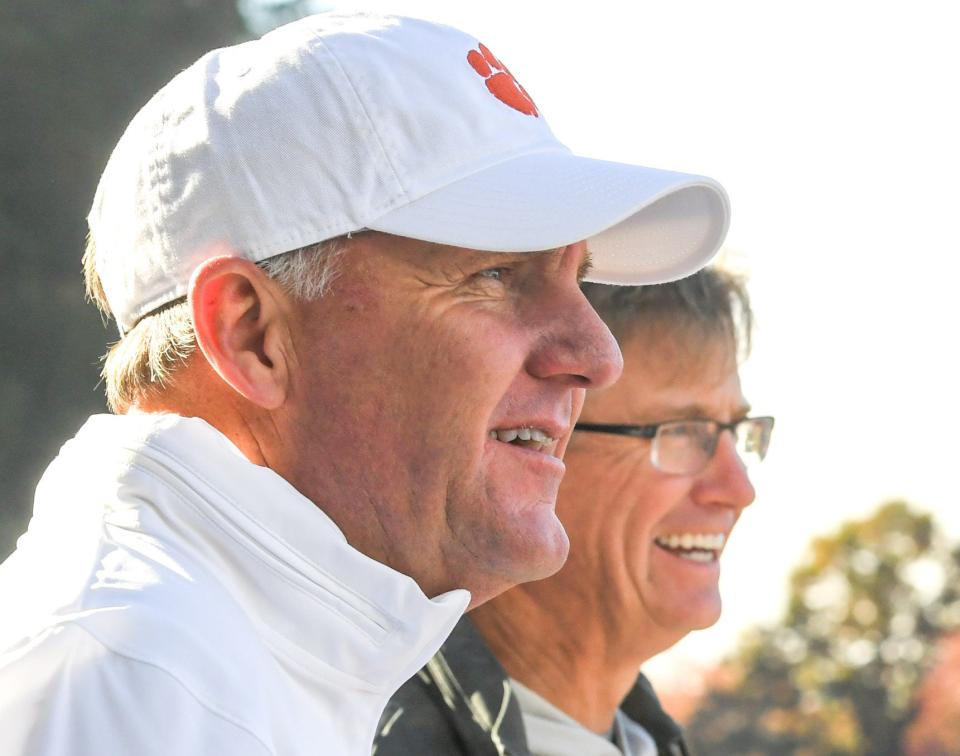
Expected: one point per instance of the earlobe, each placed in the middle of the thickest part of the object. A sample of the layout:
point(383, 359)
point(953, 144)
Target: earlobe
point(239, 325)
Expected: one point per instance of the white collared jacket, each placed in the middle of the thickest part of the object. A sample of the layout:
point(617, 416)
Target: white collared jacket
point(170, 597)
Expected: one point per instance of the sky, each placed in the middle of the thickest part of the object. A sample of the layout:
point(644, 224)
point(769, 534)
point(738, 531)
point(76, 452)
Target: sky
point(833, 127)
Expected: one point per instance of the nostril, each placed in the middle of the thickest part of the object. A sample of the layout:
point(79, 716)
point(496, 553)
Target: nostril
point(608, 365)
point(577, 345)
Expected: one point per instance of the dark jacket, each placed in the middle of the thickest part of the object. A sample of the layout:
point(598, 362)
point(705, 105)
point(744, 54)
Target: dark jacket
point(460, 705)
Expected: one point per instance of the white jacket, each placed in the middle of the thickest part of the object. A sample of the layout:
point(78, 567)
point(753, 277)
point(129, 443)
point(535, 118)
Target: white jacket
point(170, 597)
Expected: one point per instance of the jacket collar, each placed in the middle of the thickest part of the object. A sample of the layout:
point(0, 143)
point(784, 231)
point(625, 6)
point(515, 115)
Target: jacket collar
point(643, 707)
point(465, 669)
point(286, 561)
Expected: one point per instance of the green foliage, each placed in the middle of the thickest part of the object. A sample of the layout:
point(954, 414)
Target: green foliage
point(260, 16)
point(840, 674)
point(75, 71)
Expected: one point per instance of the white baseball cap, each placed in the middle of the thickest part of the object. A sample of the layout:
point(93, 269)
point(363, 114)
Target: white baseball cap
point(338, 123)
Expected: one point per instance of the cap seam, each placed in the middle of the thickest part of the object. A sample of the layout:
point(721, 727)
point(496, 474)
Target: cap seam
point(159, 242)
point(157, 179)
point(366, 114)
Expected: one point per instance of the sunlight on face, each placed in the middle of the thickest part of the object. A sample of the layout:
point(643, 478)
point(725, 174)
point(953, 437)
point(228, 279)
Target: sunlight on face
point(654, 539)
point(438, 389)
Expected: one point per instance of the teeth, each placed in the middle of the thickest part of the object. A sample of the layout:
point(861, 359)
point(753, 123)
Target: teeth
point(523, 434)
point(703, 542)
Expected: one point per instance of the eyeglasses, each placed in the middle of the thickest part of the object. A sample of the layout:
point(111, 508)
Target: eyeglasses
point(685, 447)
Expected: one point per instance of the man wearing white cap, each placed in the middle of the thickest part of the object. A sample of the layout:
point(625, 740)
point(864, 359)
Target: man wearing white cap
point(344, 262)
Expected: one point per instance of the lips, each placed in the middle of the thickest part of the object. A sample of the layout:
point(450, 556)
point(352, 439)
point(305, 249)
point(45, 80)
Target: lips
point(535, 439)
point(694, 547)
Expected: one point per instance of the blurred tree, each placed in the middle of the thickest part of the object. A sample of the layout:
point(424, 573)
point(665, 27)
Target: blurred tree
point(74, 73)
point(840, 674)
point(935, 730)
point(260, 16)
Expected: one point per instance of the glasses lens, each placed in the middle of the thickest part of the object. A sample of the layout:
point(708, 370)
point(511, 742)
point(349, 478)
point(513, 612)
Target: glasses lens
point(753, 438)
point(684, 447)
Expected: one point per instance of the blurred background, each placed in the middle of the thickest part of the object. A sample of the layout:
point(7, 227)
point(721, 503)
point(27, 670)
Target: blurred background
point(832, 126)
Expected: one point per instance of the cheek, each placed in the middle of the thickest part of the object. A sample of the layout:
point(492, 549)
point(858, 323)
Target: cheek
point(629, 513)
point(654, 504)
point(596, 499)
point(466, 361)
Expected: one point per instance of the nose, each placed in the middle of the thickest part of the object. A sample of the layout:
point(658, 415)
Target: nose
point(725, 480)
point(575, 345)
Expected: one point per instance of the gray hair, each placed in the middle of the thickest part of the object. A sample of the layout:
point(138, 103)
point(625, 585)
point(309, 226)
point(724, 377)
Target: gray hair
point(145, 360)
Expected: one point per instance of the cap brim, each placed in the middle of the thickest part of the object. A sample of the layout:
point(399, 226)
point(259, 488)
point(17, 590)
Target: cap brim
point(643, 225)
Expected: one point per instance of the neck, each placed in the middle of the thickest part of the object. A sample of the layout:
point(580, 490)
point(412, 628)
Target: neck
point(263, 435)
point(565, 660)
point(568, 648)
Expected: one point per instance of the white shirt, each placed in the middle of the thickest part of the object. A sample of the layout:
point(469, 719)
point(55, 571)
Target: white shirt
point(170, 597)
point(552, 732)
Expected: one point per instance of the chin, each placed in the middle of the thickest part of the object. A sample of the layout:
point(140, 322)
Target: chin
point(707, 615)
point(521, 561)
point(552, 557)
point(538, 557)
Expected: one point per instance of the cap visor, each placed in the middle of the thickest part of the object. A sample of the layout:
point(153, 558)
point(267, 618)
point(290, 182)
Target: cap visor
point(643, 225)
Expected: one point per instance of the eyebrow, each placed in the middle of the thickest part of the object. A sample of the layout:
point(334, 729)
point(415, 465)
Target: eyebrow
point(699, 412)
point(586, 267)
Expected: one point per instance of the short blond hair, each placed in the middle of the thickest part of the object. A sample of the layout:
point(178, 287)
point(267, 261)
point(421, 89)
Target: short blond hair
point(146, 358)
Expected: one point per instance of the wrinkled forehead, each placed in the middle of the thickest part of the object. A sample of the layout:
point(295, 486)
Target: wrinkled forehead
point(678, 346)
point(670, 374)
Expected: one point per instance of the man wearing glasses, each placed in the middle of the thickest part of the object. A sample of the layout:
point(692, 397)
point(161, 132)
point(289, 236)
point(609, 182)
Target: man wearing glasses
point(657, 477)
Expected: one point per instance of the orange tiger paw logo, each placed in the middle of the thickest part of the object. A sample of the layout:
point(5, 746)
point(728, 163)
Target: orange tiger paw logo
point(500, 81)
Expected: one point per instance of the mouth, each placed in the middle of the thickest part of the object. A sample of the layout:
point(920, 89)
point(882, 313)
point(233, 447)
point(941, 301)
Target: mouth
point(694, 547)
point(534, 439)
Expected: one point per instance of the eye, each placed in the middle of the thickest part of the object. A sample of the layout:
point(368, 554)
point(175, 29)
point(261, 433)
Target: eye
point(494, 274)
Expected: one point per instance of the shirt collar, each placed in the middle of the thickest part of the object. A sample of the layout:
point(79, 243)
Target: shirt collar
point(290, 564)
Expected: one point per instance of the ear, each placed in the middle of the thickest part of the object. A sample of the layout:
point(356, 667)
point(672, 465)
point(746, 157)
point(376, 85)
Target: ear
point(241, 328)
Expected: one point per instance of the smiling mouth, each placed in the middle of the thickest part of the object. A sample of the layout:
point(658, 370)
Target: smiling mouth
point(694, 547)
point(534, 439)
